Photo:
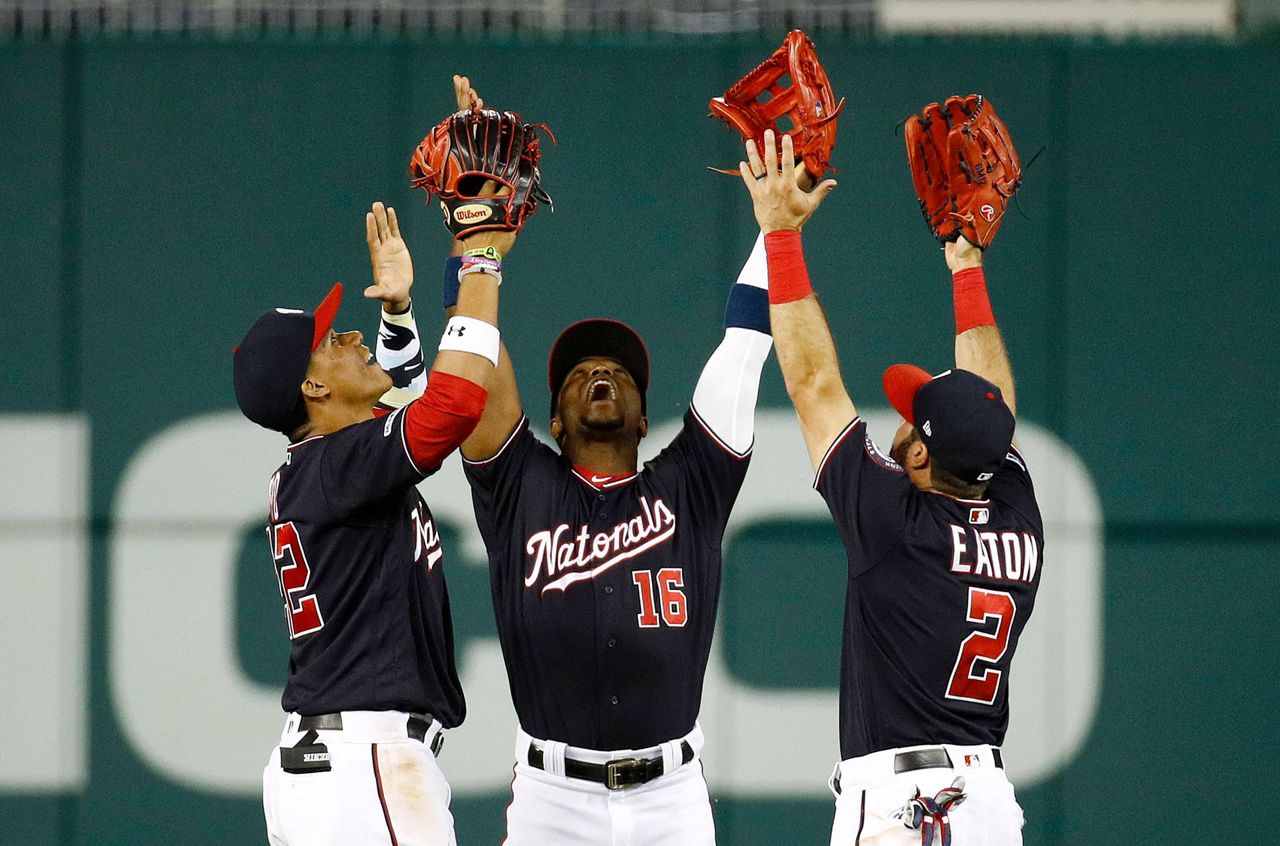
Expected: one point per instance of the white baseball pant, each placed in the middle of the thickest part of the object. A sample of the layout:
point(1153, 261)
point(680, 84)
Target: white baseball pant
point(548, 807)
point(383, 787)
point(868, 793)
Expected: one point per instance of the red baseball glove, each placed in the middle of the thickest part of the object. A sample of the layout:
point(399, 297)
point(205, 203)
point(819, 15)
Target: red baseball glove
point(466, 149)
point(807, 100)
point(964, 168)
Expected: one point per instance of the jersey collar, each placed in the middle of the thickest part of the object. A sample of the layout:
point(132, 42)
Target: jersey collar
point(294, 446)
point(601, 481)
point(958, 499)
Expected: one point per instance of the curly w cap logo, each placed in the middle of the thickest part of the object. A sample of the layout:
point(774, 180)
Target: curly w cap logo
point(987, 211)
point(928, 428)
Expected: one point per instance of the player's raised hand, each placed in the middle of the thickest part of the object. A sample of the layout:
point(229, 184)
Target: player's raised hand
point(392, 266)
point(466, 95)
point(775, 186)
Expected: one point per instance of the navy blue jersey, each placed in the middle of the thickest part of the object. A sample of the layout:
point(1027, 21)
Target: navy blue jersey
point(359, 565)
point(605, 590)
point(939, 592)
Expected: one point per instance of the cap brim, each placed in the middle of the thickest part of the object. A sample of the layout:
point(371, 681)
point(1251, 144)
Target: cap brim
point(598, 337)
point(325, 314)
point(901, 381)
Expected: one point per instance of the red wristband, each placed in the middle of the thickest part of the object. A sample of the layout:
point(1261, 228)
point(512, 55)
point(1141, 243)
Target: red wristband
point(973, 308)
point(788, 276)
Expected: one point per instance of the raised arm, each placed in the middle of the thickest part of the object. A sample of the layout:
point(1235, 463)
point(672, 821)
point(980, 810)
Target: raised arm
point(399, 347)
point(806, 350)
point(979, 346)
point(725, 396)
point(502, 411)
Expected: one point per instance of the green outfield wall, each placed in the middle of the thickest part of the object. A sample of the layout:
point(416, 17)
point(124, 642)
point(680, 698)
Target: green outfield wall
point(158, 195)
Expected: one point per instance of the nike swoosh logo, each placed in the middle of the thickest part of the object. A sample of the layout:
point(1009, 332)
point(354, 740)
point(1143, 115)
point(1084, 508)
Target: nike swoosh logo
point(595, 480)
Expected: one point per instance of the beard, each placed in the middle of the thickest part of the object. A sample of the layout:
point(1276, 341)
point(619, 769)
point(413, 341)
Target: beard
point(899, 451)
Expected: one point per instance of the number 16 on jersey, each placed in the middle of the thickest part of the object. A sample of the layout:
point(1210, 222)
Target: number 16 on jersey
point(671, 599)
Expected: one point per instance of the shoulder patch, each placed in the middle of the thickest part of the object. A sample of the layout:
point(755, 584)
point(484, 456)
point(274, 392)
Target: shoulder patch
point(874, 453)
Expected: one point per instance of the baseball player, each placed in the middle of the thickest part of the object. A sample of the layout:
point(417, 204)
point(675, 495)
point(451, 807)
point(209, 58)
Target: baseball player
point(372, 681)
point(605, 576)
point(944, 541)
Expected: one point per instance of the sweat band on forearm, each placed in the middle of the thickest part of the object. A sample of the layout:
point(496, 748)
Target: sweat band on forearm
point(788, 275)
point(451, 285)
point(973, 307)
point(467, 334)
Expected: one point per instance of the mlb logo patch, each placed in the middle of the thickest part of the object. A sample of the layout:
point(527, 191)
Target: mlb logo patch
point(972, 761)
point(979, 516)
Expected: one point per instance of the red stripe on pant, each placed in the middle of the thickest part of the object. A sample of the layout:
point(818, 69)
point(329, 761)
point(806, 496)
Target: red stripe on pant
point(386, 812)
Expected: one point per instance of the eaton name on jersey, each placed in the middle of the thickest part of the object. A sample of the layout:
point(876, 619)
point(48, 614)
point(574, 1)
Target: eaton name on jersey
point(552, 552)
point(1009, 556)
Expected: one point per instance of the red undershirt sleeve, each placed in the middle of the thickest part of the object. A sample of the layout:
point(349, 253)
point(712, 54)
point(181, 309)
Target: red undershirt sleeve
point(439, 421)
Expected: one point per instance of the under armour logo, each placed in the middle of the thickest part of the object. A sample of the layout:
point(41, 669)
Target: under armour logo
point(456, 330)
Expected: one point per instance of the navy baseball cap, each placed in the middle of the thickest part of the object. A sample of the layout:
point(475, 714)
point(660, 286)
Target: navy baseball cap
point(272, 360)
point(962, 418)
point(602, 338)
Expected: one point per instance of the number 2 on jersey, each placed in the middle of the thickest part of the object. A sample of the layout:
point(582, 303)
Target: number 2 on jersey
point(302, 612)
point(671, 598)
point(983, 685)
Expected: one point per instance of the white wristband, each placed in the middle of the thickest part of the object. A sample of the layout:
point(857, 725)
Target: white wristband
point(467, 334)
point(475, 264)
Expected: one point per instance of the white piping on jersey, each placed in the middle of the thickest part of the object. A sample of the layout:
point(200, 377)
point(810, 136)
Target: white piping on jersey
point(958, 499)
point(706, 427)
point(303, 441)
point(404, 441)
point(844, 433)
point(480, 462)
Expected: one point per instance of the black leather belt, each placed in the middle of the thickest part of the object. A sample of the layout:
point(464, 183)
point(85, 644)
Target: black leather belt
point(923, 759)
point(616, 774)
point(417, 727)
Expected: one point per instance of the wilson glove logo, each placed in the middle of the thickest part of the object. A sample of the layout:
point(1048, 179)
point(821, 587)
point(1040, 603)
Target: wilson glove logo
point(472, 213)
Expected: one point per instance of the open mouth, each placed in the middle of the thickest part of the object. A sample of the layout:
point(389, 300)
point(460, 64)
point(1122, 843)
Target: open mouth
point(600, 390)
